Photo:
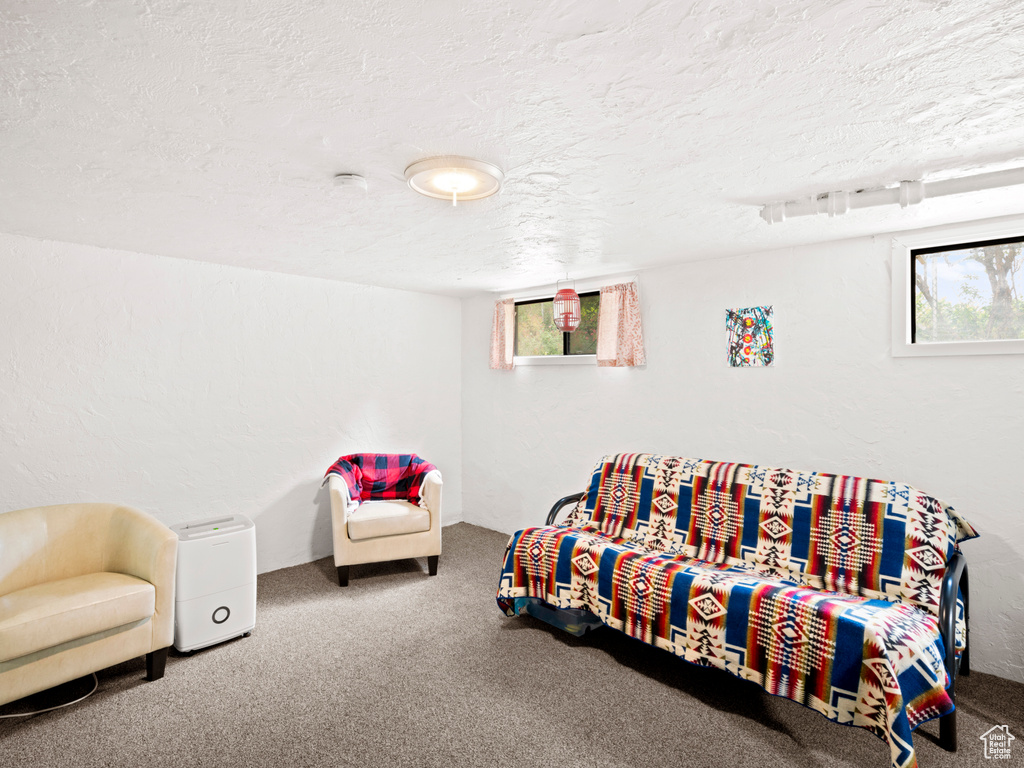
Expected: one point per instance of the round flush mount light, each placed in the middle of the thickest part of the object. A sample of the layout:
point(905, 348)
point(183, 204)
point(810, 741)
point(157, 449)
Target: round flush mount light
point(454, 178)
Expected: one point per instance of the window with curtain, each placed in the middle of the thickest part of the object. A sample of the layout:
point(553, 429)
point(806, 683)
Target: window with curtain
point(611, 329)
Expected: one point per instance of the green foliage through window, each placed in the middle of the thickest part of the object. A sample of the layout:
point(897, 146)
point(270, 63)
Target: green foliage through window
point(969, 291)
point(536, 333)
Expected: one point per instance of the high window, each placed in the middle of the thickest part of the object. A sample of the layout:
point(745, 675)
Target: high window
point(957, 290)
point(537, 336)
point(968, 291)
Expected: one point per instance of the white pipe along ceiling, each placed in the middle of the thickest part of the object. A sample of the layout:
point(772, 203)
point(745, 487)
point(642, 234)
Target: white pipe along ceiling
point(907, 193)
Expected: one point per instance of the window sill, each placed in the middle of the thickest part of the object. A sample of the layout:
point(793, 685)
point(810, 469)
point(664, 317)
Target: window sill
point(555, 360)
point(958, 348)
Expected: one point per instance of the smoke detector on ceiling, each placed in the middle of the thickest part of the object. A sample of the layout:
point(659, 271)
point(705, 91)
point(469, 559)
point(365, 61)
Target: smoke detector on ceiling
point(353, 180)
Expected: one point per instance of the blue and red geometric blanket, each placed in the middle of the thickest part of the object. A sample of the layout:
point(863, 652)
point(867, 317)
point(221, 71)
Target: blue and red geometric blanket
point(382, 476)
point(820, 588)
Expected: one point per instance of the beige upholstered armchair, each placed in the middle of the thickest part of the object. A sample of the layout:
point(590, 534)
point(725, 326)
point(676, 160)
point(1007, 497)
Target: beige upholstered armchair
point(82, 587)
point(376, 531)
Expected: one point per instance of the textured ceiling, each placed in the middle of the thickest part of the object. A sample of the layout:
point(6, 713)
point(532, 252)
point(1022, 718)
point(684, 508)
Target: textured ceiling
point(632, 134)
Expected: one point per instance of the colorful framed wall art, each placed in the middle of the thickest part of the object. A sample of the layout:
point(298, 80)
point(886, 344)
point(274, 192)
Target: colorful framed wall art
point(750, 336)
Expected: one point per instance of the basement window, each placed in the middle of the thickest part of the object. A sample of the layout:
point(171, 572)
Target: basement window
point(539, 341)
point(959, 296)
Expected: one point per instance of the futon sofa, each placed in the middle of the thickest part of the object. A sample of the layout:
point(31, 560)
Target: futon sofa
point(82, 587)
point(846, 594)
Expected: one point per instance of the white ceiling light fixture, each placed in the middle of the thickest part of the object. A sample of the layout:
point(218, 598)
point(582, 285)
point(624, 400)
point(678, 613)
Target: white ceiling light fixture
point(454, 178)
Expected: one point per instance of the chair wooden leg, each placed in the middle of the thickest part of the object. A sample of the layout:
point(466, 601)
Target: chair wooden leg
point(947, 732)
point(432, 564)
point(342, 575)
point(155, 663)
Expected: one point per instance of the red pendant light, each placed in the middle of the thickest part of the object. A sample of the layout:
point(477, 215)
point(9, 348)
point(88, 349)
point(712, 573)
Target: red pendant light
point(567, 310)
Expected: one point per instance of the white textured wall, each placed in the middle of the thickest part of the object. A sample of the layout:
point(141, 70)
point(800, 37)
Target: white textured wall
point(189, 390)
point(836, 402)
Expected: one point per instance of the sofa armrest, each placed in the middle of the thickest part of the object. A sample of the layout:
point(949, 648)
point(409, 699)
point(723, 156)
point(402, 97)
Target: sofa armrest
point(954, 579)
point(430, 492)
point(565, 500)
point(341, 504)
point(23, 537)
point(141, 546)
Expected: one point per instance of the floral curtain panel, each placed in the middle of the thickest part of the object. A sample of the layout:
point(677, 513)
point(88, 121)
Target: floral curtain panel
point(620, 334)
point(503, 334)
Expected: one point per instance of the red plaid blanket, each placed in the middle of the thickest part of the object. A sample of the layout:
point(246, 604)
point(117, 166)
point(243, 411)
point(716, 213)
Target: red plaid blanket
point(382, 476)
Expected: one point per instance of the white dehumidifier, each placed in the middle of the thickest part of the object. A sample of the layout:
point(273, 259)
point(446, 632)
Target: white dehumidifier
point(215, 585)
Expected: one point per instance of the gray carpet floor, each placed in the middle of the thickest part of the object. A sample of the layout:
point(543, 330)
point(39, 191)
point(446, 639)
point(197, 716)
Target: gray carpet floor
point(400, 669)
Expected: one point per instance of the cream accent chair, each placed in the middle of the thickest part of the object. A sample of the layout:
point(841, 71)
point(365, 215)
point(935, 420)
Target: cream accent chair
point(82, 587)
point(376, 531)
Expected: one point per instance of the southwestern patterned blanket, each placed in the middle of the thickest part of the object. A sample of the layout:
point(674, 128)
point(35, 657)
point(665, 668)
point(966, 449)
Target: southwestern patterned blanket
point(820, 588)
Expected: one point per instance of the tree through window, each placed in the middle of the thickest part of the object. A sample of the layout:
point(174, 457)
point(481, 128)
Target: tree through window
point(968, 291)
point(536, 334)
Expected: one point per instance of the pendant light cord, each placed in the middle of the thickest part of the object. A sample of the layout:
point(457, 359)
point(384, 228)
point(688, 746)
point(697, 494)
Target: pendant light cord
point(95, 685)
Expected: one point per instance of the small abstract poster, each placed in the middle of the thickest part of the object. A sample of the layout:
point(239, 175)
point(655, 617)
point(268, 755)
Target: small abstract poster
point(750, 336)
